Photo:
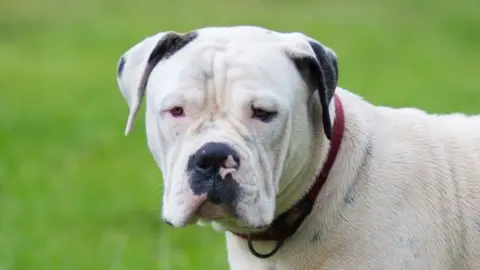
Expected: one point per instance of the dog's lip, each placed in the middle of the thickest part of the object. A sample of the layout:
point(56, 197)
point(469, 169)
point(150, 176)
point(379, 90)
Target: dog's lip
point(213, 212)
point(228, 219)
point(196, 210)
point(196, 213)
point(210, 211)
point(196, 203)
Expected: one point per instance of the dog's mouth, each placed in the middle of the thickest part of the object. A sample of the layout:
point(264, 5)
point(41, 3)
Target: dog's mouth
point(211, 211)
point(207, 209)
point(222, 215)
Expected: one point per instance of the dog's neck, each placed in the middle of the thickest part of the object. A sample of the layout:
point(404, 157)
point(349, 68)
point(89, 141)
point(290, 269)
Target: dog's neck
point(288, 222)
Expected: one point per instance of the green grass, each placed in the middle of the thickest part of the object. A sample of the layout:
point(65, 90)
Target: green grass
point(76, 194)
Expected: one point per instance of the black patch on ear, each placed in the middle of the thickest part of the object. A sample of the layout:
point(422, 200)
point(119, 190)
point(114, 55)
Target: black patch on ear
point(329, 66)
point(323, 71)
point(166, 47)
point(169, 45)
point(121, 65)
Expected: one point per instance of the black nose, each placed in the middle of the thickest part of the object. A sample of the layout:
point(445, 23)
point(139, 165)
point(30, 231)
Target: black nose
point(213, 155)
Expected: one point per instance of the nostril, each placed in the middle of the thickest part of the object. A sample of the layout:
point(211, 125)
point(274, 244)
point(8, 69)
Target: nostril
point(204, 163)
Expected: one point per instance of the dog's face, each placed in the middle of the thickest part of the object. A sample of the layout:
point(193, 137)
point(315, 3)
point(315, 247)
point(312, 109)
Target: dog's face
point(230, 116)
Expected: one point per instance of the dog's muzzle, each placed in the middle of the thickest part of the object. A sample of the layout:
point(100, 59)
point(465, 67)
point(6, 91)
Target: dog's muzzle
point(210, 172)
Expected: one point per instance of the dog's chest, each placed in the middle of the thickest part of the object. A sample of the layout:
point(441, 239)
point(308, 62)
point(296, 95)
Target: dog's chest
point(301, 253)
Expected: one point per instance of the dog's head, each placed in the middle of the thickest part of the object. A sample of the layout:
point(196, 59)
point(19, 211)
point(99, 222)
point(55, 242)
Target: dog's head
point(233, 115)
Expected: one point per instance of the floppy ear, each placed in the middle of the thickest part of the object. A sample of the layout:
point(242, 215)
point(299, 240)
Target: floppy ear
point(321, 64)
point(136, 64)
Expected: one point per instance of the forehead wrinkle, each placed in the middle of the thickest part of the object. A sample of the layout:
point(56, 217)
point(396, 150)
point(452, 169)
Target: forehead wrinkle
point(219, 78)
point(201, 75)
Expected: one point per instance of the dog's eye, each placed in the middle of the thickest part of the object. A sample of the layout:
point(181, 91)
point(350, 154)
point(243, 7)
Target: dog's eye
point(177, 111)
point(263, 115)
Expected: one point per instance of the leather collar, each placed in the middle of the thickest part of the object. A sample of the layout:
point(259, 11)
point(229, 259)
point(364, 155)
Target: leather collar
point(286, 224)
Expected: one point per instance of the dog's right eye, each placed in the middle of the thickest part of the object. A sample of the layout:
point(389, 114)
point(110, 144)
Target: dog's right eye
point(177, 111)
point(263, 115)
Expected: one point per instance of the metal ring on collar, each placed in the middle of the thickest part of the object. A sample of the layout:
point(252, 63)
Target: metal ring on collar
point(267, 255)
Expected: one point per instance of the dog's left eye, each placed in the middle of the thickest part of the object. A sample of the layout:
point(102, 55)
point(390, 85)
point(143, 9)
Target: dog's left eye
point(263, 115)
point(177, 111)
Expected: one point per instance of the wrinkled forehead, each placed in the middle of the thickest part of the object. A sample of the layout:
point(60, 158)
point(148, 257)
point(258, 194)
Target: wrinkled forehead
point(247, 57)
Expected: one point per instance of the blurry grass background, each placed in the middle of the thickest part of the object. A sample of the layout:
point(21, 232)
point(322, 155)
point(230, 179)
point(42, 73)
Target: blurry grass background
point(76, 194)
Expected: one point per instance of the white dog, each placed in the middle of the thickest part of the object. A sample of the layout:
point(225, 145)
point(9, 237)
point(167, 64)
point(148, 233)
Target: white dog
point(253, 136)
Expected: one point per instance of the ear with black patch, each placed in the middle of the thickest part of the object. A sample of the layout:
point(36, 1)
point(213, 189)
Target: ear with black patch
point(135, 66)
point(321, 63)
point(326, 78)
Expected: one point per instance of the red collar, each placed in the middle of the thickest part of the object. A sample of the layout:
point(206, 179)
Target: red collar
point(287, 223)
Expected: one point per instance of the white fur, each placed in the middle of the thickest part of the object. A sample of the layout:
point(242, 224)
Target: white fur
point(404, 191)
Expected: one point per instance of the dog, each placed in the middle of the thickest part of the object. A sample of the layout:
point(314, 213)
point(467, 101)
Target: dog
point(253, 136)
